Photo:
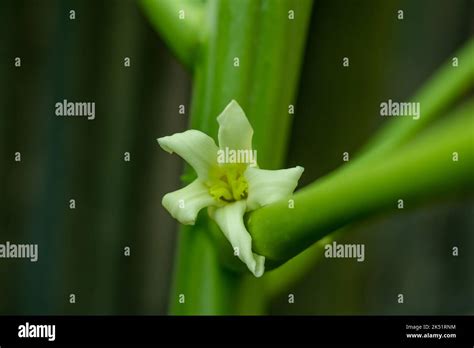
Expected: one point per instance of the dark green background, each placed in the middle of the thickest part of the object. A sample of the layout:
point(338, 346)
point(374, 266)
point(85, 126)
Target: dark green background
point(119, 203)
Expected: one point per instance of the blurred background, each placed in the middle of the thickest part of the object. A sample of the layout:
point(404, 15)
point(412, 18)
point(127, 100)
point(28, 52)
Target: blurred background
point(118, 202)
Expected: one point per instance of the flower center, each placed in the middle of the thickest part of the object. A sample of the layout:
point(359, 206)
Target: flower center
point(227, 183)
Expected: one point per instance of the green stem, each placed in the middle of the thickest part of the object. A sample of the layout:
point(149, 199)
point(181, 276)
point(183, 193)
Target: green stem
point(281, 278)
point(201, 286)
point(447, 85)
point(269, 46)
point(419, 170)
point(180, 23)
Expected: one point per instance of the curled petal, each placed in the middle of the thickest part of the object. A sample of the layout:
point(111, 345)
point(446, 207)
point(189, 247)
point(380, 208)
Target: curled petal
point(231, 222)
point(235, 131)
point(185, 204)
point(195, 147)
point(268, 186)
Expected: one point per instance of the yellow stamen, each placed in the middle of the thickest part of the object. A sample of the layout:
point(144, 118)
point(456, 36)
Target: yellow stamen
point(227, 183)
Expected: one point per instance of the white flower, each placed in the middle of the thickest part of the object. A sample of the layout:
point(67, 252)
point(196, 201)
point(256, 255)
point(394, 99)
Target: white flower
point(228, 189)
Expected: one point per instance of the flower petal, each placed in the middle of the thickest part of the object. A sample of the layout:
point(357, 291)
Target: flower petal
point(268, 186)
point(235, 131)
point(195, 147)
point(230, 220)
point(185, 204)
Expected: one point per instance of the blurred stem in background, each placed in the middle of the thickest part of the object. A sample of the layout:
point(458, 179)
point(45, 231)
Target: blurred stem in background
point(445, 87)
point(305, 227)
point(181, 23)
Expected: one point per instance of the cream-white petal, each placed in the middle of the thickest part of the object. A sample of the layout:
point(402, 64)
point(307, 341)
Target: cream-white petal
point(268, 186)
point(235, 131)
point(195, 147)
point(231, 222)
point(185, 204)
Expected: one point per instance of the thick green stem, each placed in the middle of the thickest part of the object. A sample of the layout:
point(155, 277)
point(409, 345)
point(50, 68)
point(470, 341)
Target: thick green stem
point(251, 53)
point(448, 84)
point(201, 286)
point(420, 169)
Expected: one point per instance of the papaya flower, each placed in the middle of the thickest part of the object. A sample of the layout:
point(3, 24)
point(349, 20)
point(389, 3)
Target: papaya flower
point(229, 182)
